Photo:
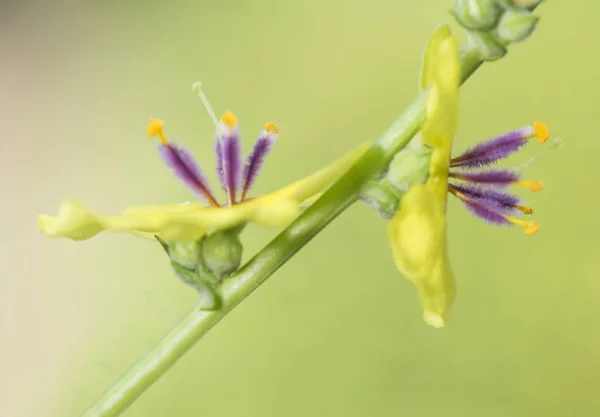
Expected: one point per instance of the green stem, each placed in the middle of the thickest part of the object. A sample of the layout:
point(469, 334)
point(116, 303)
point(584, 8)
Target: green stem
point(198, 322)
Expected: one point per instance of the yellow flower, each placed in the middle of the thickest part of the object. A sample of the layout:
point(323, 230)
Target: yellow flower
point(191, 221)
point(418, 231)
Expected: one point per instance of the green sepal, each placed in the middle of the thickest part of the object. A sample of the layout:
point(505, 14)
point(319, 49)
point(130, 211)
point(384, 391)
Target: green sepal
point(163, 244)
point(409, 166)
point(476, 14)
point(382, 196)
point(191, 271)
point(222, 252)
point(208, 296)
point(526, 4)
point(488, 46)
point(516, 25)
point(186, 254)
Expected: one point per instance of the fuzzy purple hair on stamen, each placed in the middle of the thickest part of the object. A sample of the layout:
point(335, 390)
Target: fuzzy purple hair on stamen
point(498, 178)
point(261, 149)
point(485, 213)
point(232, 163)
point(492, 150)
point(219, 156)
point(490, 198)
point(184, 167)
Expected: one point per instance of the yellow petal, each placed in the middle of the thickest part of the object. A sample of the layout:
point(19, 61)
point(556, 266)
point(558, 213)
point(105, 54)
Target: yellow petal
point(437, 183)
point(417, 232)
point(441, 73)
point(76, 222)
point(189, 222)
point(73, 221)
point(430, 56)
point(306, 188)
point(186, 222)
point(417, 236)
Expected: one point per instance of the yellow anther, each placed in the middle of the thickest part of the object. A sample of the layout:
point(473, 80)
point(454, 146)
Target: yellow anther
point(229, 119)
point(271, 128)
point(529, 227)
point(532, 228)
point(155, 128)
point(524, 209)
point(541, 131)
point(531, 185)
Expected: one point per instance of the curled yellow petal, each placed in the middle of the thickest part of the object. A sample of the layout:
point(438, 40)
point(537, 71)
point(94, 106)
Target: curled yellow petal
point(73, 221)
point(191, 221)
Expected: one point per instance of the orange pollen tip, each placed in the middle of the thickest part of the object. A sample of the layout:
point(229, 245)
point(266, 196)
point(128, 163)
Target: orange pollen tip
point(229, 119)
point(524, 209)
point(532, 228)
point(271, 128)
point(529, 227)
point(531, 185)
point(155, 128)
point(541, 131)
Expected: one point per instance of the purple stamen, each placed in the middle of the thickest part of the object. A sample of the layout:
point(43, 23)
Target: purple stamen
point(255, 160)
point(499, 178)
point(504, 202)
point(485, 213)
point(492, 150)
point(219, 155)
point(184, 167)
point(232, 163)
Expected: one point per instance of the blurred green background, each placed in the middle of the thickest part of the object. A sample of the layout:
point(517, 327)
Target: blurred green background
point(336, 332)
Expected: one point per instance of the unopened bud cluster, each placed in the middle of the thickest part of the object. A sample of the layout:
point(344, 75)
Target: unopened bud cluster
point(204, 264)
point(495, 24)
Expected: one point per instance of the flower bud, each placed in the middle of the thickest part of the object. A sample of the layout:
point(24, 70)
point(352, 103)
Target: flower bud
point(486, 44)
point(222, 252)
point(186, 254)
point(516, 25)
point(477, 14)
